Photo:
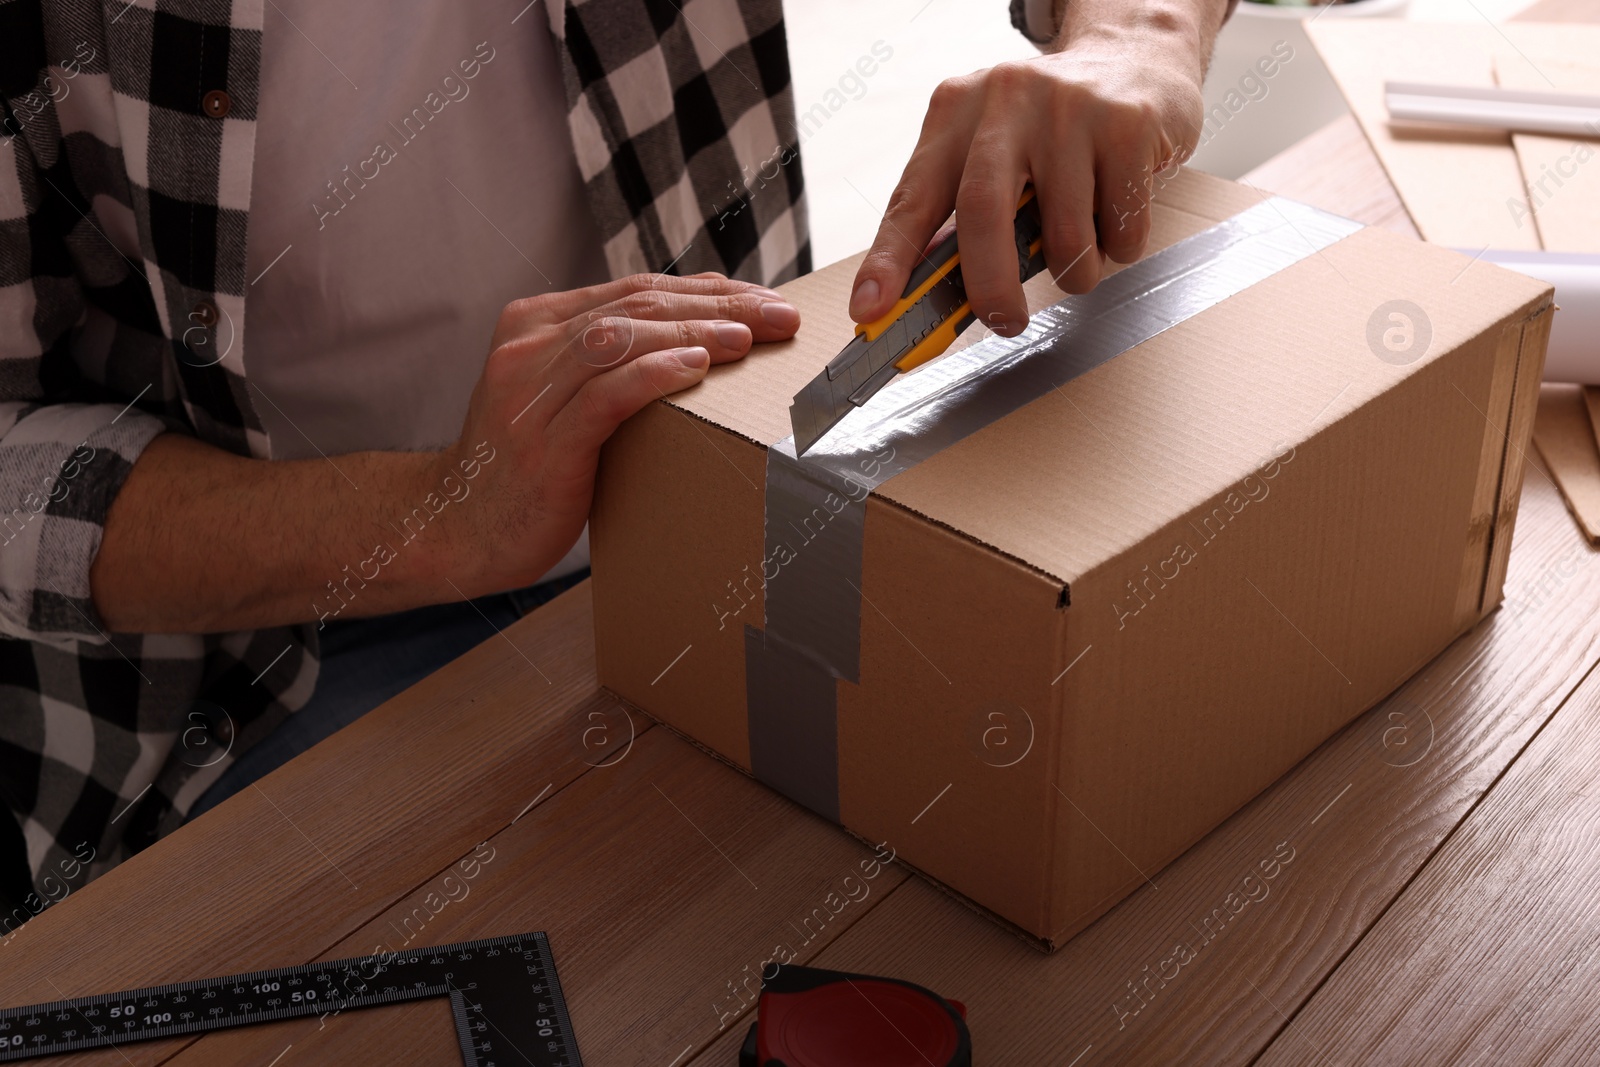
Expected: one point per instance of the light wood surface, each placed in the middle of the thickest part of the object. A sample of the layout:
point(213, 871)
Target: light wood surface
point(661, 879)
point(1336, 169)
point(1489, 956)
point(1438, 872)
point(283, 872)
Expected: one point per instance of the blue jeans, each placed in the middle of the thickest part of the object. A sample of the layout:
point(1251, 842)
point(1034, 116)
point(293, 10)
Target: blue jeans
point(367, 661)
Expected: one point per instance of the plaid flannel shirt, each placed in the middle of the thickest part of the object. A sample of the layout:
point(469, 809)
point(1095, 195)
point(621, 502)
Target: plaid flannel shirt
point(124, 212)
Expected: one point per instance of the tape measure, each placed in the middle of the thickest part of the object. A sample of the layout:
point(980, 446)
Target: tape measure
point(808, 1017)
point(503, 992)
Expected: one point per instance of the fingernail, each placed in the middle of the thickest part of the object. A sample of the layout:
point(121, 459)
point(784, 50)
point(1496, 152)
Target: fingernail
point(733, 334)
point(1005, 327)
point(780, 315)
point(695, 358)
point(865, 296)
point(770, 294)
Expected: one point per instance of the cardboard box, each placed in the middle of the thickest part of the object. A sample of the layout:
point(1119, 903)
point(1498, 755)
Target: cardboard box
point(1096, 627)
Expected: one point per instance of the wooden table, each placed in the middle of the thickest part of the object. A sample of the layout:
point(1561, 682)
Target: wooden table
point(1439, 905)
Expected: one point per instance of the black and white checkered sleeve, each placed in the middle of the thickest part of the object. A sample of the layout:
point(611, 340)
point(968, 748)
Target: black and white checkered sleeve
point(683, 123)
point(65, 447)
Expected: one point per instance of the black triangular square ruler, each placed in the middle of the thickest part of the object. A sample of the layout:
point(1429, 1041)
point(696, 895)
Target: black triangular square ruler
point(503, 991)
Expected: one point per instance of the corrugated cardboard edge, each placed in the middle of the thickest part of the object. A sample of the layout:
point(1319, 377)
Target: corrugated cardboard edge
point(1566, 442)
point(1591, 400)
point(1524, 406)
point(1063, 599)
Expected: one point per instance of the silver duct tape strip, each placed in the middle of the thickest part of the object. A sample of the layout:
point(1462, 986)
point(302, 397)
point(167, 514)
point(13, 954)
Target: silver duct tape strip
point(793, 712)
point(816, 506)
point(815, 523)
point(920, 414)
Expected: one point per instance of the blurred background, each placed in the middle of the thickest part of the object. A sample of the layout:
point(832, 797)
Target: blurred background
point(859, 128)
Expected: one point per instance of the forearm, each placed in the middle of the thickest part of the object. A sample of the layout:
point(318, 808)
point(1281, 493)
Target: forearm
point(200, 540)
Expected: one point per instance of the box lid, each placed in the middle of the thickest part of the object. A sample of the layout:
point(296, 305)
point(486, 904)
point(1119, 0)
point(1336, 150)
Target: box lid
point(1096, 466)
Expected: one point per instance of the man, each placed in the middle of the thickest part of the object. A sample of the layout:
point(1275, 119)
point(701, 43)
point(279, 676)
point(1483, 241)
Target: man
point(314, 318)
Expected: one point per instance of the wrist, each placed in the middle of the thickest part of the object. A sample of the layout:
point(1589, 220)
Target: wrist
point(414, 540)
point(450, 522)
point(1161, 36)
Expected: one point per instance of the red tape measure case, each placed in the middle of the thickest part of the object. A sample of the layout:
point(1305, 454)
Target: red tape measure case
point(814, 1018)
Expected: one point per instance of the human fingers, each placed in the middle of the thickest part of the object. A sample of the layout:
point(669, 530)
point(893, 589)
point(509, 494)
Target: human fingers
point(921, 201)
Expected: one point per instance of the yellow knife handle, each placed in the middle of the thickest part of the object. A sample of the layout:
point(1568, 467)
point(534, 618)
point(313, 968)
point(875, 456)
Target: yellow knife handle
point(951, 258)
point(943, 336)
point(946, 258)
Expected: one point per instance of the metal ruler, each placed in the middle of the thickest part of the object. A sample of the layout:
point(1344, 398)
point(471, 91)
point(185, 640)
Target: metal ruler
point(503, 992)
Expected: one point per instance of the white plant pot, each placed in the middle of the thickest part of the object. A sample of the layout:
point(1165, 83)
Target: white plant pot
point(1251, 117)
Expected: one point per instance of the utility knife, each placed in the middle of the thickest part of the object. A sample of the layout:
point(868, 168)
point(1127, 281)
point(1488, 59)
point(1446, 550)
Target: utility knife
point(928, 317)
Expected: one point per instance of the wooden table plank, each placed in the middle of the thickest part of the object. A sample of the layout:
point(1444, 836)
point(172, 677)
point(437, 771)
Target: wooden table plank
point(1490, 955)
point(665, 881)
point(279, 874)
point(1341, 834)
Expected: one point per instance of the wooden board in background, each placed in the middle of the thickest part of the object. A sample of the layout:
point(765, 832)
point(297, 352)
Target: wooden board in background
point(1454, 184)
point(1565, 439)
point(1561, 174)
point(1591, 400)
point(1463, 188)
point(1357, 183)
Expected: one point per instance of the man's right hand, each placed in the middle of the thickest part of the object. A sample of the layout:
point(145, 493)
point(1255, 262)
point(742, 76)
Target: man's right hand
point(200, 540)
point(564, 371)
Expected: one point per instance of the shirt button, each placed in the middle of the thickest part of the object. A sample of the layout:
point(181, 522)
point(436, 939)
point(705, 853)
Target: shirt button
point(205, 314)
point(216, 104)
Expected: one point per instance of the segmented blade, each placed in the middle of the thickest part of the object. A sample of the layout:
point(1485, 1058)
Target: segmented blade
point(863, 367)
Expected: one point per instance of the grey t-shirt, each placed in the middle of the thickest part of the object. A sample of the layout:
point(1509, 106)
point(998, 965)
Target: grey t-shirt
point(413, 175)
